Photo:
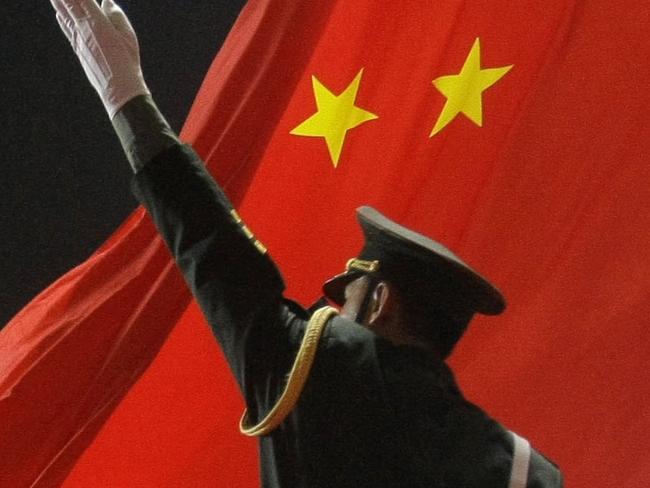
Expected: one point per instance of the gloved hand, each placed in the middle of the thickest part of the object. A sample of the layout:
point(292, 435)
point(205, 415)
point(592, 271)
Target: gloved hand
point(107, 47)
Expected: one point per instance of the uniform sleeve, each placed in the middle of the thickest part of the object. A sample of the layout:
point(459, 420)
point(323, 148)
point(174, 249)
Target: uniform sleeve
point(230, 274)
point(142, 130)
point(543, 473)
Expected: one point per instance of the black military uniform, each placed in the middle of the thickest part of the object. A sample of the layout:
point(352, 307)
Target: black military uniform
point(363, 412)
point(371, 414)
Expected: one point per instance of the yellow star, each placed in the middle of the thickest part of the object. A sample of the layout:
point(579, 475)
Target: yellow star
point(464, 90)
point(336, 115)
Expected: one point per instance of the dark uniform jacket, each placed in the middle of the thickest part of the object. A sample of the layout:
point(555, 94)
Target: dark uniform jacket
point(372, 414)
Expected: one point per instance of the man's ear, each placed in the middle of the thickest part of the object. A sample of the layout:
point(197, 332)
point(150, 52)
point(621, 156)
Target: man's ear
point(381, 303)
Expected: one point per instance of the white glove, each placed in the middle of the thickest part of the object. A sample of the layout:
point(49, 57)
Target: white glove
point(107, 48)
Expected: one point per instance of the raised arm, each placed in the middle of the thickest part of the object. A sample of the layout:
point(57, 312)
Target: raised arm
point(228, 271)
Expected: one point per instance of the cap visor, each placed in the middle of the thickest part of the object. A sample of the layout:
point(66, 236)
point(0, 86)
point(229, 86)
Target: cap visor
point(334, 288)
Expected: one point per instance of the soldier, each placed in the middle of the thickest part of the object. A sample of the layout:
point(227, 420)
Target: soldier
point(360, 398)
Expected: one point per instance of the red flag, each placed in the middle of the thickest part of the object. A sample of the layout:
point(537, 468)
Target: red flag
point(538, 181)
point(70, 356)
point(522, 150)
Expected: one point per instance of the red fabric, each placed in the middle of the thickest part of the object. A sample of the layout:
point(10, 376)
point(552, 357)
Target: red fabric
point(548, 199)
point(71, 355)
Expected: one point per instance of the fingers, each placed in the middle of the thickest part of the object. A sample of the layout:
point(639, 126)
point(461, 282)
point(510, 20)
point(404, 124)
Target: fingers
point(70, 14)
point(77, 9)
point(63, 18)
point(117, 17)
point(66, 26)
point(60, 8)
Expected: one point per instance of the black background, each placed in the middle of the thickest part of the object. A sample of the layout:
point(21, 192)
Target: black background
point(64, 182)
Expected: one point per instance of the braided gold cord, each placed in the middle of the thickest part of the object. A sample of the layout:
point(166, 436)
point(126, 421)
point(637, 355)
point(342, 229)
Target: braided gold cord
point(297, 377)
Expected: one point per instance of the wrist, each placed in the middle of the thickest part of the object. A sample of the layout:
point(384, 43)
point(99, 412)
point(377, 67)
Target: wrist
point(121, 92)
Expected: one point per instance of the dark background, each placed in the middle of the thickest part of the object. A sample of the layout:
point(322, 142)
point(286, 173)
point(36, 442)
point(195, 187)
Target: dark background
point(64, 184)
